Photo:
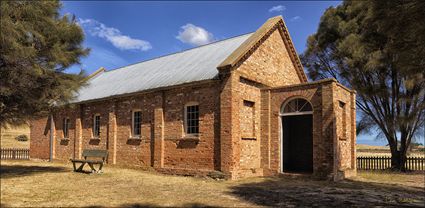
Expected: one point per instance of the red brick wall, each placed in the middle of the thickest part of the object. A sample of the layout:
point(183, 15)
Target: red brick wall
point(178, 151)
point(40, 138)
point(329, 154)
point(129, 150)
point(249, 134)
point(271, 146)
point(191, 153)
point(345, 130)
point(64, 147)
point(270, 63)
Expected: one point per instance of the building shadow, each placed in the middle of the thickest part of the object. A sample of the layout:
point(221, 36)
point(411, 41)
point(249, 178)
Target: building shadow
point(11, 171)
point(150, 205)
point(305, 192)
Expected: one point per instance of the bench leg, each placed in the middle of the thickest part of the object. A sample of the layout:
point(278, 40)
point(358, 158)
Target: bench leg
point(100, 168)
point(75, 168)
point(80, 169)
point(93, 170)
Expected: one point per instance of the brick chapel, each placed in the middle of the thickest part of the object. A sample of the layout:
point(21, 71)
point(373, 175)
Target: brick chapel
point(241, 107)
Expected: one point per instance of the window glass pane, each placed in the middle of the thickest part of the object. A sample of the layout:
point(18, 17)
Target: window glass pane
point(96, 126)
point(137, 120)
point(307, 107)
point(65, 127)
point(192, 119)
point(300, 104)
point(290, 107)
point(297, 105)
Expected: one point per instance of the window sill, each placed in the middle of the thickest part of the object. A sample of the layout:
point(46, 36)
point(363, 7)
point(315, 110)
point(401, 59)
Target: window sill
point(184, 138)
point(249, 138)
point(343, 138)
point(95, 138)
point(135, 138)
point(191, 138)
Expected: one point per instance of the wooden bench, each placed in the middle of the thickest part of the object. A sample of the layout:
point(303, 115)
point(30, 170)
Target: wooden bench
point(90, 154)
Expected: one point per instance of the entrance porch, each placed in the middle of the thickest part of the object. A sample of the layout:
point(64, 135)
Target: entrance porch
point(309, 128)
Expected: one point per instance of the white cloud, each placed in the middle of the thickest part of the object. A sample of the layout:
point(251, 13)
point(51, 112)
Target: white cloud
point(295, 19)
point(278, 8)
point(114, 36)
point(194, 35)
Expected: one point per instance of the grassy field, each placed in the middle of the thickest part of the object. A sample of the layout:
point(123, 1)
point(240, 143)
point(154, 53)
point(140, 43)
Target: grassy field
point(43, 184)
point(8, 134)
point(369, 150)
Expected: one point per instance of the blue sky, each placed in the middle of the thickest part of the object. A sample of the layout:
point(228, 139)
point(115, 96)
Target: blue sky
point(154, 26)
point(121, 33)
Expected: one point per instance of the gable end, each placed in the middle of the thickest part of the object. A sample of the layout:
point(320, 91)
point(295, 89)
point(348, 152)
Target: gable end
point(252, 43)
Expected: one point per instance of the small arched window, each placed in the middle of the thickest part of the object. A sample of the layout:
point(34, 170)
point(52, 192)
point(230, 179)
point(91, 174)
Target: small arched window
point(297, 106)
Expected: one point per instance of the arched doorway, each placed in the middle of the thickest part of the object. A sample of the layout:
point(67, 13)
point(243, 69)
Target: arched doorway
point(297, 136)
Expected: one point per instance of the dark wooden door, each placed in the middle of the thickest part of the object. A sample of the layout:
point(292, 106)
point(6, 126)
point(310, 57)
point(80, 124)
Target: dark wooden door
point(297, 143)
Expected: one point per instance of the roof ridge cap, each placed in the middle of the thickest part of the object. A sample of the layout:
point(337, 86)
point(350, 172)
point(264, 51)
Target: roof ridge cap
point(95, 73)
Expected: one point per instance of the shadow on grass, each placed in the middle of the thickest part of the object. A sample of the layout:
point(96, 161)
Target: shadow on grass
point(148, 205)
point(305, 192)
point(11, 171)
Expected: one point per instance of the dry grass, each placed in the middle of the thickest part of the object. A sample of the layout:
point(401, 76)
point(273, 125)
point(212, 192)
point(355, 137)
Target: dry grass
point(11, 142)
point(8, 134)
point(411, 179)
point(41, 184)
point(370, 150)
point(371, 147)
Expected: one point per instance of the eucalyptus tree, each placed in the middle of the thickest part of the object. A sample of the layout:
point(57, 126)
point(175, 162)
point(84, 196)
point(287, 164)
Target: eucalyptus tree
point(378, 49)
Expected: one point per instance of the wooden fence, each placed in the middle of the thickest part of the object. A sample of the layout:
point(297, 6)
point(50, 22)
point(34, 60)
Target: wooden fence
point(14, 154)
point(381, 163)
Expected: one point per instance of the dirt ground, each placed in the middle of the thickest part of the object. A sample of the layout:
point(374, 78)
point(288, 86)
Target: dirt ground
point(44, 184)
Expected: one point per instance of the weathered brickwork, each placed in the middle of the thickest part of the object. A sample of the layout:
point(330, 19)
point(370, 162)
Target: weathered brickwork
point(272, 69)
point(249, 129)
point(240, 123)
point(40, 138)
point(329, 153)
point(178, 151)
point(344, 103)
point(64, 146)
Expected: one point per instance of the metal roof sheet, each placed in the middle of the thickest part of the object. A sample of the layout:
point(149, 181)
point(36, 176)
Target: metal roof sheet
point(183, 67)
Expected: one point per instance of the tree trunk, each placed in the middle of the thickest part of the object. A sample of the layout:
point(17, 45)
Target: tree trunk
point(398, 160)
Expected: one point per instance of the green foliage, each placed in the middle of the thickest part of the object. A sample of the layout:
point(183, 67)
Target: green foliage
point(36, 46)
point(377, 48)
point(22, 138)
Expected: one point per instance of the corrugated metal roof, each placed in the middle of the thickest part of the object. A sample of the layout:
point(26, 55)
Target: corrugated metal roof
point(187, 66)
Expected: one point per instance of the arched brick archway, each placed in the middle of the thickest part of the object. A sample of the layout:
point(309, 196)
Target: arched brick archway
point(297, 136)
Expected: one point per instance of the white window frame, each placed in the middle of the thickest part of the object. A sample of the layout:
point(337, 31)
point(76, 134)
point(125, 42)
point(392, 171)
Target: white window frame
point(133, 134)
point(94, 126)
point(295, 112)
point(185, 119)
